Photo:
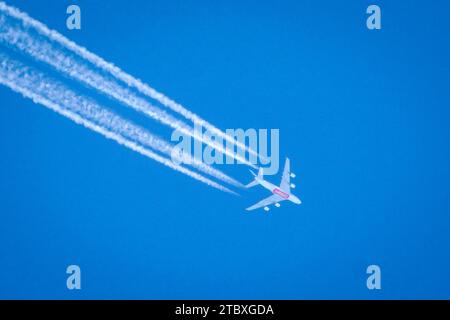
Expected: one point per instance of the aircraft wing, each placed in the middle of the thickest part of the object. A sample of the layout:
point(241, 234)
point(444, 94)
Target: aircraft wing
point(285, 184)
point(265, 202)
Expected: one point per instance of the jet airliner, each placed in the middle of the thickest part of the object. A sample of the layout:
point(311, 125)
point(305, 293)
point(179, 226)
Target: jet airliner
point(279, 193)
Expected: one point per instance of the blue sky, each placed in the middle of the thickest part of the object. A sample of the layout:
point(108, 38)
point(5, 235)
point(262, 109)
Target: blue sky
point(362, 114)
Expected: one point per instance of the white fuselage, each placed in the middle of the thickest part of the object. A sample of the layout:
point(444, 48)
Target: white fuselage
point(278, 191)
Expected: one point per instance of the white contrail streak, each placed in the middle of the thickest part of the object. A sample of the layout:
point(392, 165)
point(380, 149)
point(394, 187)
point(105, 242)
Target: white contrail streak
point(43, 51)
point(62, 100)
point(93, 112)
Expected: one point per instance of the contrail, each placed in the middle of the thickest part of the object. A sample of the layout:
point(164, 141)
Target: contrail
point(64, 101)
point(43, 51)
point(93, 112)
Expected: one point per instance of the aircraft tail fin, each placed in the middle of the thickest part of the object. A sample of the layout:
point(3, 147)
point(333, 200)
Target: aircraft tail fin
point(257, 177)
point(260, 173)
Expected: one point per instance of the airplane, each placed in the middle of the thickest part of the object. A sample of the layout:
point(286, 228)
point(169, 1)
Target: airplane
point(280, 193)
